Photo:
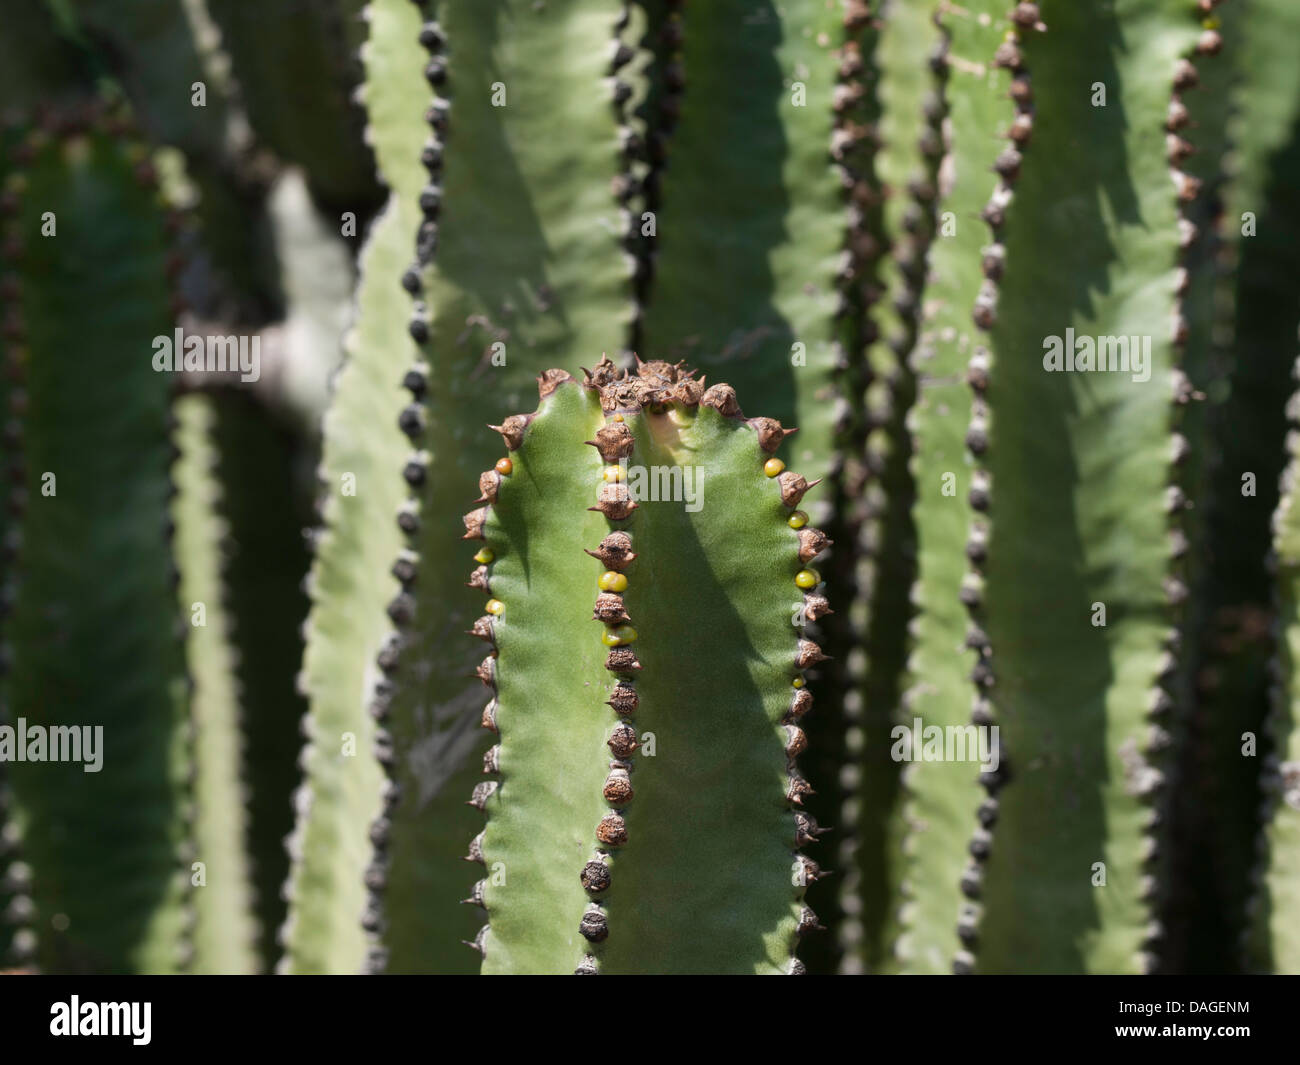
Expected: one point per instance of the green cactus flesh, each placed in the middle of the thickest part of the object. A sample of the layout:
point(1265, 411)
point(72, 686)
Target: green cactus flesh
point(291, 61)
point(37, 65)
point(1079, 464)
point(1274, 940)
point(752, 220)
point(943, 797)
point(108, 889)
point(527, 270)
point(696, 658)
point(756, 265)
point(1267, 146)
point(156, 53)
point(394, 94)
point(1240, 593)
point(892, 165)
point(224, 930)
point(264, 502)
point(346, 625)
point(1212, 791)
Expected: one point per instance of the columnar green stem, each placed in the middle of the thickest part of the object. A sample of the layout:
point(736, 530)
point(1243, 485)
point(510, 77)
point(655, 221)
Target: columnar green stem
point(107, 887)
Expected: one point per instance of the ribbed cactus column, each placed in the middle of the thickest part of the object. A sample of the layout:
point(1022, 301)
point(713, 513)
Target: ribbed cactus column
point(643, 812)
point(1273, 939)
point(762, 237)
point(515, 264)
point(511, 269)
point(1218, 822)
point(981, 121)
point(753, 218)
point(224, 930)
point(545, 671)
point(295, 75)
point(1075, 588)
point(88, 242)
point(351, 583)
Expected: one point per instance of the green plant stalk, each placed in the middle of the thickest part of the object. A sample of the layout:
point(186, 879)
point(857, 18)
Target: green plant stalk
point(868, 632)
point(541, 825)
point(753, 220)
point(752, 275)
point(1237, 645)
point(908, 133)
point(153, 51)
point(702, 707)
point(1192, 904)
point(224, 929)
point(108, 887)
point(943, 797)
point(341, 791)
point(1079, 465)
point(1273, 942)
point(531, 264)
point(265, 503)
point(350, 584)
point(292, 64)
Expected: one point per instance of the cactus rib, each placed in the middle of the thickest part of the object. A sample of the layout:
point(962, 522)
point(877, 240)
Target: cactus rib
point(657, 870)
point(224, 930)
point(1273, 943)
point(942, 863)
point(1077, 615)
point(514, 288)
point(108, 894)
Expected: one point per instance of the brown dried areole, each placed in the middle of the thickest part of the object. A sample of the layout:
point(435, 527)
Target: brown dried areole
point(609, 608)
point(613, 441)
point(512, 429)
point(771, 434)
point(615, 551)
point(615, 502)
point(623, 699)
point(612, 830)
point(623, 741)
point(474, 522)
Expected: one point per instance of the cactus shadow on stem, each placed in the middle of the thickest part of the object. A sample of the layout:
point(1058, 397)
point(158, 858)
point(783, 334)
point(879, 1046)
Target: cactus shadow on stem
point(493, 199)
point(688, 858)
point(1050, 558)
point(1216, 822)
point(721, 288)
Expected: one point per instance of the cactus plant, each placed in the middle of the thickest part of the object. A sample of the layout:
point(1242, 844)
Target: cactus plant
point(90, 244)
point(893, 225)
point(1271, 937)
point(696, 659)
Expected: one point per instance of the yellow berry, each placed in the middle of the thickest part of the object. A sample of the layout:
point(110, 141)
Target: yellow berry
point(807, 578)
point(612, 582)
point(484, 556)
point(495, 607)
point(505, 467)
point(612, 474)
point(798, 682)
point(618, 636)
point(797, 520)
point(773, 467)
